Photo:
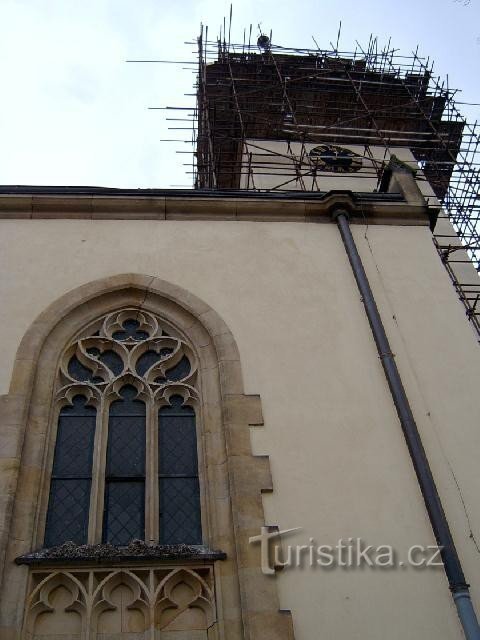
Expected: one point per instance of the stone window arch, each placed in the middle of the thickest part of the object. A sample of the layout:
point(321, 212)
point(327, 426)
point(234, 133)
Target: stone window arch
point(225, 593)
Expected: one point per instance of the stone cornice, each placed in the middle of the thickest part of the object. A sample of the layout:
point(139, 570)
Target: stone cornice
point(405, 206)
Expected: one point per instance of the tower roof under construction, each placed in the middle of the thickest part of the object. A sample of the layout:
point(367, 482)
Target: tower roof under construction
point(319, 97)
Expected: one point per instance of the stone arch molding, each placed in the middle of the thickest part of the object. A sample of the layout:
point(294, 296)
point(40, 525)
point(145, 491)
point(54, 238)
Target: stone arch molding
point(247, 606)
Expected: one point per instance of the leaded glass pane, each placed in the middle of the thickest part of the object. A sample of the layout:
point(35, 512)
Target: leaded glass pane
point(180, 520)
point(177, 445)
point(180, 511)
point(74, 445)
point(124, 512)
point(126, 446)
point(67, 516)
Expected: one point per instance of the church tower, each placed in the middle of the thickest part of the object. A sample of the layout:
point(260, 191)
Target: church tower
point(249, 410)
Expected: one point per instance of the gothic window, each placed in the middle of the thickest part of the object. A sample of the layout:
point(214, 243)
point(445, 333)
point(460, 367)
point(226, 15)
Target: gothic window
point(125, 464)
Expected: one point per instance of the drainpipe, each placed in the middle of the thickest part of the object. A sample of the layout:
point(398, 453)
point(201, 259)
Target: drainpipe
point(438, 520)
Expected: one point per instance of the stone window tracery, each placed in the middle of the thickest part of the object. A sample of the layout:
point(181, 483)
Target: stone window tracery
point(125, 461)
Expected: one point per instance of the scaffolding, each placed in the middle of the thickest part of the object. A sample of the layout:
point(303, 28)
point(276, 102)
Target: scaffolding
point(251, 93)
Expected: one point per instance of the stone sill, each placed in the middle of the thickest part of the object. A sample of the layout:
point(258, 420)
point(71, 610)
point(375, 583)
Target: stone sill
point(137, 551)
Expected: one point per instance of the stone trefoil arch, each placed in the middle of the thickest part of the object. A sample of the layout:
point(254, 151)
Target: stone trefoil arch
point(243, 607)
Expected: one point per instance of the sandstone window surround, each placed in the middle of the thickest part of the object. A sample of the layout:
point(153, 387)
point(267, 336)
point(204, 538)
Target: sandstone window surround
point(245, 602)
point(123, 456)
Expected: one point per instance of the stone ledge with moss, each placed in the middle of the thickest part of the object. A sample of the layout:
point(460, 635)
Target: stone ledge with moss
point(136, 551)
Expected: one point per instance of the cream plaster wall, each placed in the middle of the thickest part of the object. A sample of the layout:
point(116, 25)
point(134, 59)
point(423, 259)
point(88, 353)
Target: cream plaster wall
point(339, 462)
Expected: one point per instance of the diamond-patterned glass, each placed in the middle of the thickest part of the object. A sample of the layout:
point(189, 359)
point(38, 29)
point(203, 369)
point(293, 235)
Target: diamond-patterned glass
point(67, 516)
point(180, 520)
point(74, 445)
point(126, 446)
point(124, 516)
point(177, 443)
point(126, 437)
point(180, 511)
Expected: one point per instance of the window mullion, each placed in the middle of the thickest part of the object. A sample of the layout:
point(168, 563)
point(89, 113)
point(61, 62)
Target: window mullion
point(98, 476)
point(151, 471)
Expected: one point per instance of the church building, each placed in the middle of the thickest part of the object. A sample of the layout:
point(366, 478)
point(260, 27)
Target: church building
point(250, 410)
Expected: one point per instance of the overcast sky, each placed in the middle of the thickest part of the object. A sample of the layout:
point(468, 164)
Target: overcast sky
point(73, 112)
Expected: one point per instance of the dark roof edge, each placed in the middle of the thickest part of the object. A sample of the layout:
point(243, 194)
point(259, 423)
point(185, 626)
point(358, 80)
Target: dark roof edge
point(34, 190)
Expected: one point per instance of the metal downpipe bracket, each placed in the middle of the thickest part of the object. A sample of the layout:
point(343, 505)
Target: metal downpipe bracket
point(438, 520)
